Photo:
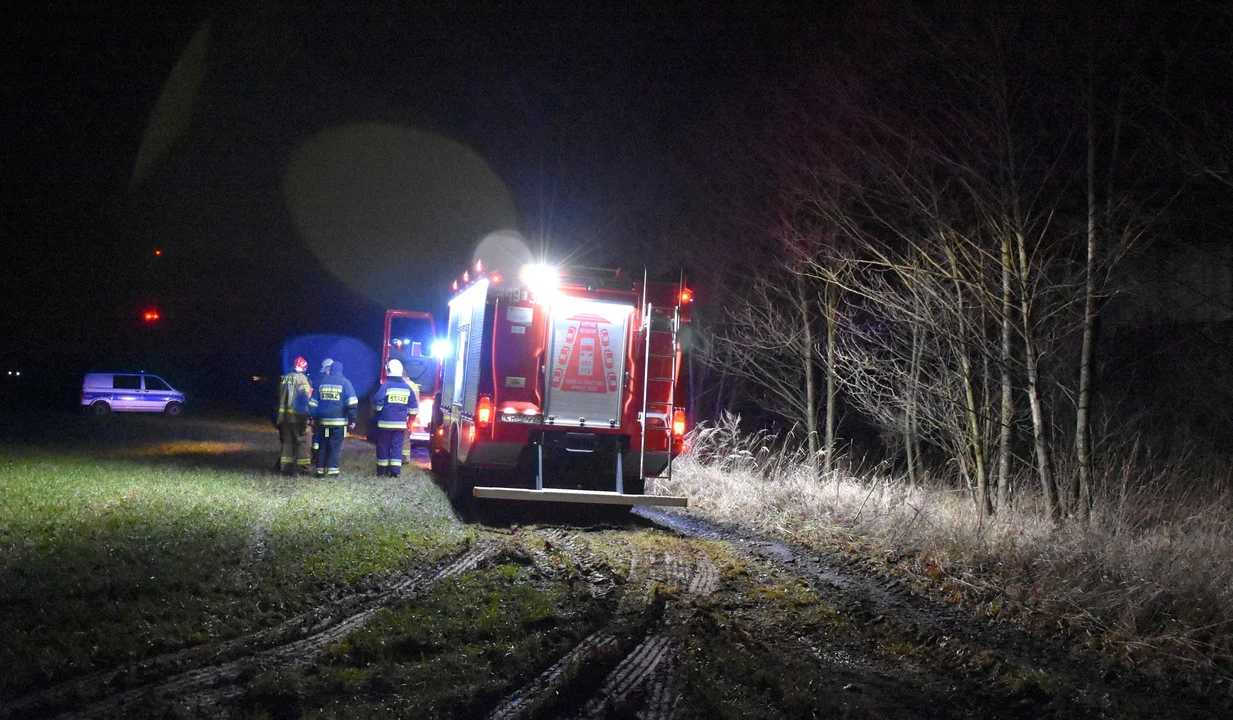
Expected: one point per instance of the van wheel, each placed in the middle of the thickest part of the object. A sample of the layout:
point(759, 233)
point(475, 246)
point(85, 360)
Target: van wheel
point(100, 407)
point(173, 409)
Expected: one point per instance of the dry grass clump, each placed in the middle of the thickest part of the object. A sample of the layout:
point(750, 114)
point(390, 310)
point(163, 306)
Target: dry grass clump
point(1149, 578)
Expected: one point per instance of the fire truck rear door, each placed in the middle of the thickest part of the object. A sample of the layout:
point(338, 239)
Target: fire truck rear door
point(586, 362)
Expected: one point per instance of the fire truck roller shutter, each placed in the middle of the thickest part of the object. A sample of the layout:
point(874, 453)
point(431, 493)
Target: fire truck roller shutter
point(586, 356)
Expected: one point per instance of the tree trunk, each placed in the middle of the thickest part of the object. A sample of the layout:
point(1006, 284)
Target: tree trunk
point(832, 321)
point(909, 424)
point(986, 426)
point(1044, 470)
point(1083, 448)
point(975, 443)
point(806, 358)
point(1007, 411)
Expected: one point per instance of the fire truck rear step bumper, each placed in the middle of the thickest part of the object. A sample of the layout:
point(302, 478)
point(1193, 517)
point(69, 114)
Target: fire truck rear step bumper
point(579, 496)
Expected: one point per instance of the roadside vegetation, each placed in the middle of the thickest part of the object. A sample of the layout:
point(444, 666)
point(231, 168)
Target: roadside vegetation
point(137, 536)
point(1148, 580)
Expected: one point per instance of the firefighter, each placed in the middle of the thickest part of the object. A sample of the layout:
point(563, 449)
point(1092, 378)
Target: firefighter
point(334, 408)
point(294, 394)
point(325, 365)
point(394, 402)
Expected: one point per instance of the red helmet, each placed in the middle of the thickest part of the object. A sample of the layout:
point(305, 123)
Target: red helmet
point(301, 364)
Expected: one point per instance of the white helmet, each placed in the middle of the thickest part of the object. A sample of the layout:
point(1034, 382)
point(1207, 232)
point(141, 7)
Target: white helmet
point(393, 368)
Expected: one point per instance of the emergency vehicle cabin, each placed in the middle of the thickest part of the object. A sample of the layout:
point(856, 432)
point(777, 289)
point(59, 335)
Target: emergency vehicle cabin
point(564, 384)
point(409, 335)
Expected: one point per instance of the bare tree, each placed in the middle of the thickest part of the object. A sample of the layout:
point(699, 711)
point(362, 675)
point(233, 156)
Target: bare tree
point(768, 340)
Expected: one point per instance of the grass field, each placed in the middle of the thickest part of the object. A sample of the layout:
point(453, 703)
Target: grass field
point(134, 536)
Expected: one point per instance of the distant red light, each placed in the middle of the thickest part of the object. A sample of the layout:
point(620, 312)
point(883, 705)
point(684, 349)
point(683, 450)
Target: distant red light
point(496, 278)
point(158, 253)
point(151, 316)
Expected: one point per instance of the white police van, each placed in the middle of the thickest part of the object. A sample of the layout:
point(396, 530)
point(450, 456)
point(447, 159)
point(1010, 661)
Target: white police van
point(130, 392)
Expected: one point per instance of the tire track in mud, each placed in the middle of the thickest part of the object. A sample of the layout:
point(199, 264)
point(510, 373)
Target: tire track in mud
point(599, 649)
point(951, 637)
point(633, 671)
point(200, 685)
point(641, 666)
point(636, 675)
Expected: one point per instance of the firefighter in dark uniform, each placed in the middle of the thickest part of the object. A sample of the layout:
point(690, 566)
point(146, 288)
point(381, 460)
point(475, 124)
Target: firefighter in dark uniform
point(325, 365)
point(334, 408)
point(394, 402)
point(294, 394)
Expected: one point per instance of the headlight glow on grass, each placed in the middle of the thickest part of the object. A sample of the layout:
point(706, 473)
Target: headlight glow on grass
point(169, 535)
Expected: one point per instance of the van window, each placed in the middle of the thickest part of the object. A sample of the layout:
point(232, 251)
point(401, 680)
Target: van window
point(153, 383)
point(126, 382)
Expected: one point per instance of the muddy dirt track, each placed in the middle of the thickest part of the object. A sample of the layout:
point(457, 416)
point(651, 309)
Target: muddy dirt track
point(657, 615)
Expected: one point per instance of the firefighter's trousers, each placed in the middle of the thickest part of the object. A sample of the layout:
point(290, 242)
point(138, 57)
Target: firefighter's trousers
point(389, 451)
point(293, 434)
point(329, 450)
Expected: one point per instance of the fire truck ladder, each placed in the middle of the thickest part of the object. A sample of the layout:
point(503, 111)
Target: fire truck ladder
point(660, 323)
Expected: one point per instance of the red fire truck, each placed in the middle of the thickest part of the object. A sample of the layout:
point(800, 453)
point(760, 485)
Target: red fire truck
point(564, 384)
point(409, 335)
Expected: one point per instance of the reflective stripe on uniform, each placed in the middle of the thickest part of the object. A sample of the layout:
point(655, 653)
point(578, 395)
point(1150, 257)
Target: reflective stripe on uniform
point(285, 459)
point(353, 401)
point(332, 471)
point(383, 463)
point(333, 422)
point(303, 461)
point(391, 424)
point(395, 463)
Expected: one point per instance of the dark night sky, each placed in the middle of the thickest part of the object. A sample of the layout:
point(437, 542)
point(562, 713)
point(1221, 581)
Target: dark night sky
point(596, 120)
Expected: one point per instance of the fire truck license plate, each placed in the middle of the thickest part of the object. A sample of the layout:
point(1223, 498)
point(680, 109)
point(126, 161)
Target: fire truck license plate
point(524, 419)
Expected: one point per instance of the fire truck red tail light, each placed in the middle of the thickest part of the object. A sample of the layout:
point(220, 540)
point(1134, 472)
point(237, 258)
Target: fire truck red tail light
point(483, 411)
point(687, 296)
point(678, 423)
point(496, 277)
